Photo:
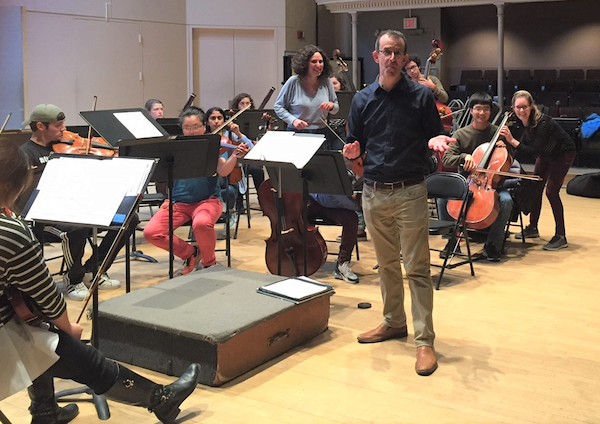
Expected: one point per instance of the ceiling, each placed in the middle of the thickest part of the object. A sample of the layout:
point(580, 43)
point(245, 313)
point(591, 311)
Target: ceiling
point(346, 6)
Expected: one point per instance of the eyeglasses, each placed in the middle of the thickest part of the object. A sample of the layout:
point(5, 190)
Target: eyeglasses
point(194, 128)
point(521, 107)
point(389, 52)
point(482, 109)
point(411, 68)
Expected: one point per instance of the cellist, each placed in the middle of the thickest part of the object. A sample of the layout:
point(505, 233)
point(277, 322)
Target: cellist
point(460, 155)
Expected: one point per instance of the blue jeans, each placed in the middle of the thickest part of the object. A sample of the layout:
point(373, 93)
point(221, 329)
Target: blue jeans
point(496, 233)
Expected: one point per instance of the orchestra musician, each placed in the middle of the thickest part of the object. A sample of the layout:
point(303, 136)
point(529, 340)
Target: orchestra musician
point(256, 171)
point(47, 122)
point(33, 355)
point(460, 154)
point(555, 152)
point(215, 119)
point(306, 98)
point(413, 69)
point(395, 120)
point(155, 108)
point(195, 199)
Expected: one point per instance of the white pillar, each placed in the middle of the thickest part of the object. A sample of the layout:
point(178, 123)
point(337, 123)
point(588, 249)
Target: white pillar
point(354, 16)
point(500, 7)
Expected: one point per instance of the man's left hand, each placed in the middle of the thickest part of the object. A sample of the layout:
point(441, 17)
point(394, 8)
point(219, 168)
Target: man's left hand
point(440, 143)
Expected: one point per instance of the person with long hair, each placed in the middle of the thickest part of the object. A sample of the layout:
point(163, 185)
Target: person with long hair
point(256, 171)
point(554, 151)
point(33, 355)
point(307, 97)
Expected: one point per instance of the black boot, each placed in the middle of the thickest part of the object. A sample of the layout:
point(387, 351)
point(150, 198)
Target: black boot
point(164, 401)
point(44, 409)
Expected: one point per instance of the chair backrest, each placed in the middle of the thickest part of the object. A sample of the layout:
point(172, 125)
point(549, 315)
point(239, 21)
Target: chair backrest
point(588, 85)
point(592, 74)
point(545, 74)
point(467, 74)
point(447, 185)
point(570, 74)
point(559, 85)
point(519, 74)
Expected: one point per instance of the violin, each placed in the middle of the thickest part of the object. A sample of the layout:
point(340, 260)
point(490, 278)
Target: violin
point(73, 143)
point(484, 205)
point(291, 253)
point(238, 173)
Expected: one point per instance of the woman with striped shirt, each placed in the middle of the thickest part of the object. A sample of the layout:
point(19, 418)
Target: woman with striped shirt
point(33, 356)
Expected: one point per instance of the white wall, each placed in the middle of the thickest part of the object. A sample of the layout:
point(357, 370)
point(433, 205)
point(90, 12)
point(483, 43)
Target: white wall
point(11, 66)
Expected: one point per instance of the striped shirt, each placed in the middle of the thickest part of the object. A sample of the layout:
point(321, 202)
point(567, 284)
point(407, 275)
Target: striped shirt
point(546, 139)
point(22, 266)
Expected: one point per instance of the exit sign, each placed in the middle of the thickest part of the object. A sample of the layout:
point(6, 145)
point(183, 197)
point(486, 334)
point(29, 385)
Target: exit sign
point(410, 23)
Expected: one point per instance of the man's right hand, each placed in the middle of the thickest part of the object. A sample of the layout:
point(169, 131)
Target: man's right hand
point(469, 163)
point(352, 150)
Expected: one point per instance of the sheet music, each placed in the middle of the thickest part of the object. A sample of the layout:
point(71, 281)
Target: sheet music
point(286, 146)
point(137, 124)
point(86, 190)
point(296, 288)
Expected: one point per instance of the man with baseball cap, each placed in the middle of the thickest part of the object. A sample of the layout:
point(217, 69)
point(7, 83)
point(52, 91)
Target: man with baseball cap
point(47, 122)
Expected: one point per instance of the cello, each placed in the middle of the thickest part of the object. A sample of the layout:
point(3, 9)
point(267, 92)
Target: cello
point(285, 246)
point(483, 206)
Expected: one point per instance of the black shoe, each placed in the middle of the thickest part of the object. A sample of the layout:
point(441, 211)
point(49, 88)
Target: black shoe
point(67, 413)
point(557, 242)
point(449, 248)
point(490, 252)
point(528, 232)
point(164, 401)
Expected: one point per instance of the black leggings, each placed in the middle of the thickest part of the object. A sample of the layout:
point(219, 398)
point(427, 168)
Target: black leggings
point(81, 363)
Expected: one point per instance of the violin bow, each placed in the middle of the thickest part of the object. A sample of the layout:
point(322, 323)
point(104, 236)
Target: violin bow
point(5, 122)
point(224, 124)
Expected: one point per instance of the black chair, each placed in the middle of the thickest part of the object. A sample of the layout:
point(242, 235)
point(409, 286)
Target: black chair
point(534, 86)
point(492, 74)
point(519, 74)
point(450, 186)
point(470, 74)
point(584, 99)
point(557, 86)
point(476, 85)
point(318, 220)
point(550, 98)
point(593, 74)
point(570, 74)
point(545, 74)
point(586, 85)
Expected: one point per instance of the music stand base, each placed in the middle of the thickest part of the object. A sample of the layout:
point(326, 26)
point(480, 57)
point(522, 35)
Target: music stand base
point(99, 402)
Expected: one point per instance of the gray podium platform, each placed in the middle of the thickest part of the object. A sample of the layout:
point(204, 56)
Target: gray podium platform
point(214, 317)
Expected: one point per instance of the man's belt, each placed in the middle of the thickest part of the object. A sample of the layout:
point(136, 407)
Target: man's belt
point(395, 185)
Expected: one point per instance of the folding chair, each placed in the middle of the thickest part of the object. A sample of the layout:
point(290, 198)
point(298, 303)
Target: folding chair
point(450, 186)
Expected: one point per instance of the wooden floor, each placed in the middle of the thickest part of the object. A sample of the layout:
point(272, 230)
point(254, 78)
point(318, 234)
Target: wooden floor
point(517, 343)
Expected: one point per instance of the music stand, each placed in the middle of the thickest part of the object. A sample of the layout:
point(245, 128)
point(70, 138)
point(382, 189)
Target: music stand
point(179, 158)
point(126, 182)
point(290, 151)
point(344, 101)
point(253, 126)
point(170, 125)
point(115, 125)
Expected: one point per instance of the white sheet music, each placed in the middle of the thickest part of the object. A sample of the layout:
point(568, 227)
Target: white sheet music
point(87, 191)
point(296, 288)
point(287, 147)
point(137, 124)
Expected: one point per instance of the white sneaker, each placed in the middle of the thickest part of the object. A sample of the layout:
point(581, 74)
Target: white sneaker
point(344, 272)
point(233, 219)
point(77, 291)
point(105, 282)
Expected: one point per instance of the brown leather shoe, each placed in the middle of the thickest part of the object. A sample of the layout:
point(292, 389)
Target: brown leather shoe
point(426, 363)
point(382, 333)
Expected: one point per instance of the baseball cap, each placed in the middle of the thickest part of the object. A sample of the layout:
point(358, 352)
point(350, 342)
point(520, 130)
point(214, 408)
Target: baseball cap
point(44, 113)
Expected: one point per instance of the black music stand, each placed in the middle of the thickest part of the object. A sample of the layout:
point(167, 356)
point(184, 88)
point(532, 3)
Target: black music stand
point(179, 158)
point(254, 127)
point(121, 218)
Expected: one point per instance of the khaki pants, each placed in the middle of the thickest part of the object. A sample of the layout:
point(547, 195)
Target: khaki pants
point(399, 225)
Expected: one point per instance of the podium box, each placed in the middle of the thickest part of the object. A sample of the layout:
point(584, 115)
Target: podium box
point(214, 317)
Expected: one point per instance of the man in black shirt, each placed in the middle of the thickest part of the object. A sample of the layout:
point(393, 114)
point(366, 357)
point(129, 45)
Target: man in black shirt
point(48, 123)
point(393, 121)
